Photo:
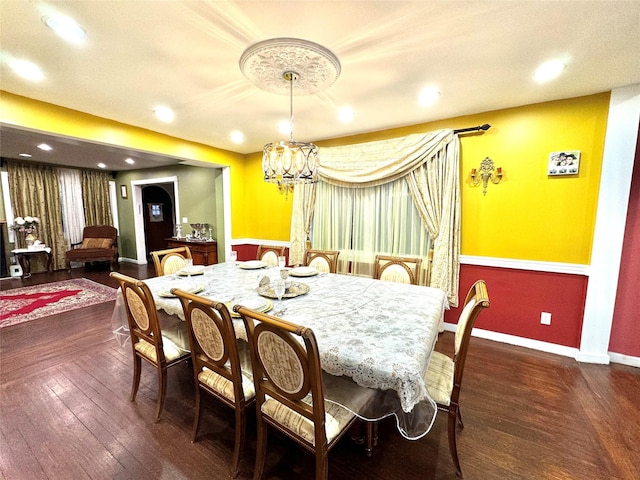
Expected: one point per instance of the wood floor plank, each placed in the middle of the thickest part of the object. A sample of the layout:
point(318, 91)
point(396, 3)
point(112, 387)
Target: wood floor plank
point(65, 414)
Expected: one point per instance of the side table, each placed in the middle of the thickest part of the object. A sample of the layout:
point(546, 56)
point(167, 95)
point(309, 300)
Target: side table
point(23, 255)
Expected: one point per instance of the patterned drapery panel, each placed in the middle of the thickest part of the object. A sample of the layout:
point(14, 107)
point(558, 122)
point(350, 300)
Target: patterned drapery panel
point(95, 196)
point(34, 191)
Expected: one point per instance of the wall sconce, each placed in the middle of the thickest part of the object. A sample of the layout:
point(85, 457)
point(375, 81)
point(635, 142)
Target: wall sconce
point(487, 172)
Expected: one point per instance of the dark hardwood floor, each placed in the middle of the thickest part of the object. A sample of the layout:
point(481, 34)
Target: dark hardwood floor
point(65, 414)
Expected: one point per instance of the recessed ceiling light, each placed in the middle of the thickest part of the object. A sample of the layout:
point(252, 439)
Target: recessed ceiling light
point(45, 147)
point(237, 136)
point(549, 70)
point(130, 161)
point(102, 165)
point(25, 155)
point(428, 96)
point(164, 114)
point(345, 114)
point(27, 70)
point(66, 28)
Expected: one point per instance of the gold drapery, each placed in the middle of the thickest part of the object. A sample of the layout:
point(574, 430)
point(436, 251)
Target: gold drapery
point(430, 164)
point(95, 196)
point(34, 191)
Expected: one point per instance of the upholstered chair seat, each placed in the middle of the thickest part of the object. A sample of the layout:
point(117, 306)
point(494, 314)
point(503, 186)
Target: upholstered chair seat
point(336, 419)
point(224, 386)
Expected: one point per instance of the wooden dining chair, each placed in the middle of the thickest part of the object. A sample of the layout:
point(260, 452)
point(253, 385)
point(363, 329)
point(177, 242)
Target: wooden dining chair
point(397, 269)
point(290, 392)
point(322, 260)
point(170, 260)
point(216, 363)
point(269, 254)
point(444, 375)
point(147, 341)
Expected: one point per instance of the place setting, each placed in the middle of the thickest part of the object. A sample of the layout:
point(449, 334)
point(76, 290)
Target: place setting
point(281, 287)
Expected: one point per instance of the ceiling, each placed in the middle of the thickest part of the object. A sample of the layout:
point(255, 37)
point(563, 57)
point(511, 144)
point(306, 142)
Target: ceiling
point(481, 56)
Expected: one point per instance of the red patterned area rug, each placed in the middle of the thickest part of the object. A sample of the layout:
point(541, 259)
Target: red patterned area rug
point(30, 303)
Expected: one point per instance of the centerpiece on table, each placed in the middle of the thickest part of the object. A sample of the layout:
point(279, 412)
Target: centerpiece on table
point(28, 226)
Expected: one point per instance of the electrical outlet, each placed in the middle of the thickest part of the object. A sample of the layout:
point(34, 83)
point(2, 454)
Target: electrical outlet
point(545, 318)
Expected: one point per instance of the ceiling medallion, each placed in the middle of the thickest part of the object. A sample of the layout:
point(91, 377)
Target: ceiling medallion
point(266, 63)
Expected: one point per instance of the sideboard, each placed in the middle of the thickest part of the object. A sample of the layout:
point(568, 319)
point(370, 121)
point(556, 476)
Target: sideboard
point(203, 252)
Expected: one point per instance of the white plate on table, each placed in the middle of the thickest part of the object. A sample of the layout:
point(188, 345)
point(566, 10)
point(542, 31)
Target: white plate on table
point(191, 289)
point(252, 265)
point(261, 305)
point(195, 270)
point(303, 272)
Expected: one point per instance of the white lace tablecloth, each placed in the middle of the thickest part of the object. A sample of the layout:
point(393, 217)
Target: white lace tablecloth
point(380, 334)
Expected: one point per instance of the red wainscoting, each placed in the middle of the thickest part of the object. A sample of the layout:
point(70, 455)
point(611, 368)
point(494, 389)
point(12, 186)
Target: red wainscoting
point(250, 252)
point(519, 296)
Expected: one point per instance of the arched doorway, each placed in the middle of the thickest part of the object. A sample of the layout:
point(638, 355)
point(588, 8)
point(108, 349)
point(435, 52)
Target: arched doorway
point(159, 221)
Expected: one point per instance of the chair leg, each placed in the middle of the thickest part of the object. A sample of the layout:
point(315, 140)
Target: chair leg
point(460, 422)
point(371, 437)
point(239, 442)
point(137, 367)
point(453, 448)
point(261, 448)
point(196, 416)
point(162, 391)
point(322, 463)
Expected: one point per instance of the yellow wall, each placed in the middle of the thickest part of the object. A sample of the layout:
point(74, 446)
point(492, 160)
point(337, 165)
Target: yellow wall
point(268, 209)
point(528, 216)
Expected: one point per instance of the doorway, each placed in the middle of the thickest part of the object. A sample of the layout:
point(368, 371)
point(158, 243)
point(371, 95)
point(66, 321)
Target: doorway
point(141, 211)
point(159, 220)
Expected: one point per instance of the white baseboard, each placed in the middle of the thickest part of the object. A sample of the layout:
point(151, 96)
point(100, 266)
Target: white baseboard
point(519, 341)
point(624, 359)
point(132, 260)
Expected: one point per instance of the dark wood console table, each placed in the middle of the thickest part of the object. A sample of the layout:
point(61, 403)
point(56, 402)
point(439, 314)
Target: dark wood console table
point(203, 252)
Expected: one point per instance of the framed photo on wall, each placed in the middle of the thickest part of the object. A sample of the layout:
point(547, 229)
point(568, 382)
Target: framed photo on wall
point(564, 163)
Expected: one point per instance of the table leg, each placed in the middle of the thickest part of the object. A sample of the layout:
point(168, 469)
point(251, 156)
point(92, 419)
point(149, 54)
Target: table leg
point(25, 264)
point(49, 262)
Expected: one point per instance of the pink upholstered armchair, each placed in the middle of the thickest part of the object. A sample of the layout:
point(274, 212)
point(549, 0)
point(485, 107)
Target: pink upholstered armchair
point(99, 244)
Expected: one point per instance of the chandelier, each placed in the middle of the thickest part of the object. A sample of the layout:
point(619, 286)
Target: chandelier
point(287, 163)
point(277, 65)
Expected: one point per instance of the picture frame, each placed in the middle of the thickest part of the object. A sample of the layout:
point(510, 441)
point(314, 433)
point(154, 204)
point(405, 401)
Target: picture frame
point(123, 191)
point(564, 163)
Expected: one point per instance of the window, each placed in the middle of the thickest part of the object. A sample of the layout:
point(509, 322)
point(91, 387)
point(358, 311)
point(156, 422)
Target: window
point(362, 222)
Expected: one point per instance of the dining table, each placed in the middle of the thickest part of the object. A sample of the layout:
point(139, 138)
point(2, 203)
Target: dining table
point(370, 333)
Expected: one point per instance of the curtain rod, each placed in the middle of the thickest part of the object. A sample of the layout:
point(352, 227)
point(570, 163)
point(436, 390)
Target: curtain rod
point(486, 126)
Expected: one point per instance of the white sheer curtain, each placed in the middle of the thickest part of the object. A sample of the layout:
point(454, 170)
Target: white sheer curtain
point(70, 181)
point(429, 164)
point(362, 222)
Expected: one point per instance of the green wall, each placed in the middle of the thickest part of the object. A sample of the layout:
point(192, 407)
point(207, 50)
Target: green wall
point(199, 199)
